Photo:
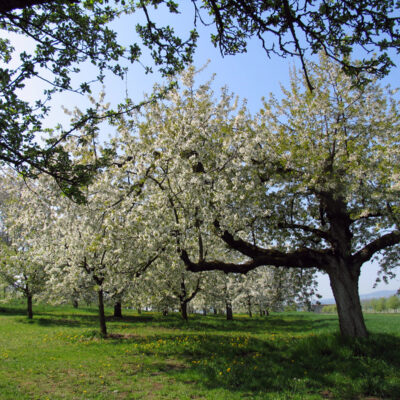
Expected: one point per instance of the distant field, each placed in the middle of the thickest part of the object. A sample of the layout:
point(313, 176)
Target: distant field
point(59, 355)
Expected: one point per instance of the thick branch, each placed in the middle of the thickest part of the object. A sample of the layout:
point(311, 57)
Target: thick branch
point(10, 5)
point(302, 258)
point(366, 253)
point(240, 245)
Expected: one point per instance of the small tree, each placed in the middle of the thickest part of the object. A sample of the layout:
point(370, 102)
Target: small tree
point(22, 259)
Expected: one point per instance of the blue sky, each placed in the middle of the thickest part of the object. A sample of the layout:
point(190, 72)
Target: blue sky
point(251, 76)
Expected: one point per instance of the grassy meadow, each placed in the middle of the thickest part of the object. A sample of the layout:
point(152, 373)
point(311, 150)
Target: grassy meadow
point(60, 355)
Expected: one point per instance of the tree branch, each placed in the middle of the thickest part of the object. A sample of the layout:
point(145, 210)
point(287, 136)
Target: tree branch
point(370, 249)
point(301, 258)
point(240, 245)
point(305, 228)
point(195, 291)
point(11, 5)
point(290, 20)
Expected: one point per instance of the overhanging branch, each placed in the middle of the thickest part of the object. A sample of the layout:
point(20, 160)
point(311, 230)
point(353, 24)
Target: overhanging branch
point(366, 253)
point(301, 258)
point(11, 5)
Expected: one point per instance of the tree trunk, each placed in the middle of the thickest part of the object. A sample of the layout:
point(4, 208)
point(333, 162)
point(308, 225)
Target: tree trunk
point(184, 311)
point(229, 313)
point(204, 311)
point(29, 306)
point(75, 303)
point(102, 317)
point(215, 310)
point(344, 285)
point(249, 307)
point(117, 310)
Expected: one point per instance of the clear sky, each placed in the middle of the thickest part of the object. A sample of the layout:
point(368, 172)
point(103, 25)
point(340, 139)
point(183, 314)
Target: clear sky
point(251, 76)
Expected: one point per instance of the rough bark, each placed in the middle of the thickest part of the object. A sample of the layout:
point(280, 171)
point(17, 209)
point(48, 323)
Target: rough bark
point(102, 317)
point(229, 313)
point(118, 310)
point(29, 306)
point(184, 311)
point(344, 284)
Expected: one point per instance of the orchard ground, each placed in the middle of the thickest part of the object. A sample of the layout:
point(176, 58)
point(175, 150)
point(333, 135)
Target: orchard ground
point(60, 355)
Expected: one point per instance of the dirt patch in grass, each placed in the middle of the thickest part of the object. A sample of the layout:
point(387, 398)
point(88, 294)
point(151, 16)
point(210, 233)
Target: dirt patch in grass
point(174, 365)
point(157, 386)
point(125, 336)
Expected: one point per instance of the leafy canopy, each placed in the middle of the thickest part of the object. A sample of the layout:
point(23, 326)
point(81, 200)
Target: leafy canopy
point(67, 34)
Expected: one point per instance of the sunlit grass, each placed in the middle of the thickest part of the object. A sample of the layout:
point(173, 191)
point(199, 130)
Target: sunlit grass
point(60, 355)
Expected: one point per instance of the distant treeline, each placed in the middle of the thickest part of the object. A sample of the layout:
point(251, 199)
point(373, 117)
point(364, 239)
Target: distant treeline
point(383, 304)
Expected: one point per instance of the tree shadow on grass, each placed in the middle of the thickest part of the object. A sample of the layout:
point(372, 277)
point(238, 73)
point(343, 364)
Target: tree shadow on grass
point(133, 318)
point(81, 320)
point(274, 323)
point(12, 310)
point(86, 322)
point(324, 365)
point(287, 359)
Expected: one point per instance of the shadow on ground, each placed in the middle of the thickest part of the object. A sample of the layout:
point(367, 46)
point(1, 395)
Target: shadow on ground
point(296, 355)
point(324, 365)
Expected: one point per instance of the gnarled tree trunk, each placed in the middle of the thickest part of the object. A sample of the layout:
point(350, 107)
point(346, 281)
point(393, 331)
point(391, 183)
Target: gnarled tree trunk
point(344, 284)
point(184, 310)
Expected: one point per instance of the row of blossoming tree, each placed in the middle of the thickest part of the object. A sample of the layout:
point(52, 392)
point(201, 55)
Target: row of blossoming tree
point(196, 185)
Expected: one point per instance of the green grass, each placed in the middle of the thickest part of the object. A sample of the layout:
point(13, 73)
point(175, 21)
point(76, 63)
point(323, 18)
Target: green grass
point(60, 355)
